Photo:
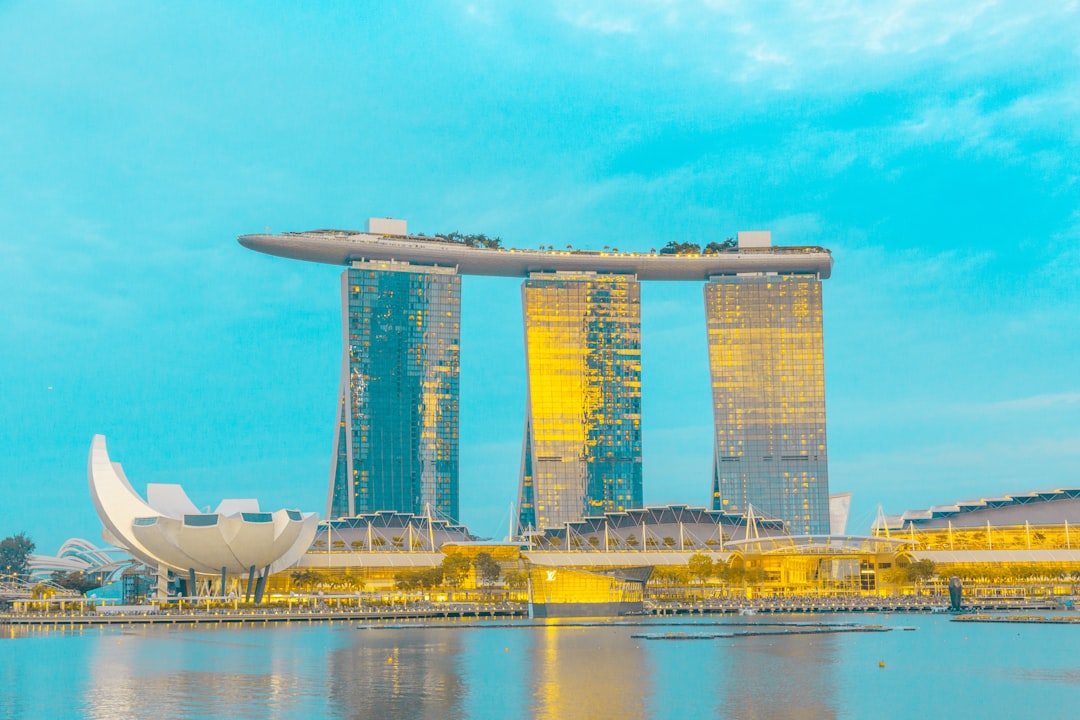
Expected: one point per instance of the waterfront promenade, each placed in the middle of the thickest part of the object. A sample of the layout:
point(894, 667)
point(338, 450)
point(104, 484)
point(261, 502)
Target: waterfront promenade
point(427, 612)
point(172, 616)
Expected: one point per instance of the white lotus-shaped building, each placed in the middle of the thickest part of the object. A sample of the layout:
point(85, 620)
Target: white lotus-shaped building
point(168, 530)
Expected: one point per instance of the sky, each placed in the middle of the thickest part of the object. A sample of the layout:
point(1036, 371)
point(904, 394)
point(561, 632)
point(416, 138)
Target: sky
point(933, 147)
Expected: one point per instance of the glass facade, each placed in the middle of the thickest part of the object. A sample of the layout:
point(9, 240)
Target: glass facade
point(582, 448)
point(396, 446)
point(766, 358)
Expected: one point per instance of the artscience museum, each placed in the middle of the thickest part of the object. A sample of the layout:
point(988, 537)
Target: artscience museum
point(166, 530)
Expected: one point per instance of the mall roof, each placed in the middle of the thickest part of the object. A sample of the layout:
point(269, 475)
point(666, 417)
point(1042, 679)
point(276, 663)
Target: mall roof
point(1045, 507)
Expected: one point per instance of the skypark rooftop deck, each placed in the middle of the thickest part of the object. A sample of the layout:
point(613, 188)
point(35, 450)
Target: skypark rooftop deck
point(341, 247)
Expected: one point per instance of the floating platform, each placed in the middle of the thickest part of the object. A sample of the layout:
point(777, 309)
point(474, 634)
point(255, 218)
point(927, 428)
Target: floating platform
point(1023, 619)
point(772, 630)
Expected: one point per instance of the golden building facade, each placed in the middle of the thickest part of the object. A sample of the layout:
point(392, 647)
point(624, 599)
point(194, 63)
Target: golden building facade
point(582, 448)
point(766, 359)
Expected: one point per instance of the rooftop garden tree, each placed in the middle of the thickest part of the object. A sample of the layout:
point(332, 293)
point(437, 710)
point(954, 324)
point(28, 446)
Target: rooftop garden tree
point(681, 248)
point(715, 248)
point(472, 240)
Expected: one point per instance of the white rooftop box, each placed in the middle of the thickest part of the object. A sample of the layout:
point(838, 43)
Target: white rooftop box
point(387, 226)
point(755, 238)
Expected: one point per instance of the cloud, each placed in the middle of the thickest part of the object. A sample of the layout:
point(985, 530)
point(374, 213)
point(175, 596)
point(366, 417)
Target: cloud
point(602, 23)
point(1035, 402)
point(737, 39)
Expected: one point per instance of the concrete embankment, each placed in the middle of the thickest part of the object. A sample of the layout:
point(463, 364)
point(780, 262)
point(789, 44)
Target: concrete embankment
point(256, 617)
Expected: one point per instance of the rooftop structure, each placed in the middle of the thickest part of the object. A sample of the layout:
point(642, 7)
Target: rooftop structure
point(1037, 528)
point(1051, 507)
point(666, 528)
point(387, 532)
point(342, 247)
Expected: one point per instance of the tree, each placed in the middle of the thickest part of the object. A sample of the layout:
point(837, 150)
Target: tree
point(455, 568)
point(517, 579)
point(487, 570)
point(678, 248)
point(75, 580)
point(352, 582)
point(423, 579)
point(916, 573)
point(432, 577)
point(701, 567)
point(921, 570)
point(472, 240)
point(407, 579)
point(305, 579)
point(15, 555)
point(669, 576)
point(715, 248)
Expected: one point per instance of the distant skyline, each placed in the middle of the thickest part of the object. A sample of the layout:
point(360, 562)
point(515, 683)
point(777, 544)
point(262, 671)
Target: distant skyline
point(934, 149)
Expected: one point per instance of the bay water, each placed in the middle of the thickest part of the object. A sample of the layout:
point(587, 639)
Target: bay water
point(520, 670)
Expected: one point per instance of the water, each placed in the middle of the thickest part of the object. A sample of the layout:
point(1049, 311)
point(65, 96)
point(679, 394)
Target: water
point(942, 669)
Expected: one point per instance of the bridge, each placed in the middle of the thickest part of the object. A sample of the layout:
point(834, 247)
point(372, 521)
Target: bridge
point(14, 588)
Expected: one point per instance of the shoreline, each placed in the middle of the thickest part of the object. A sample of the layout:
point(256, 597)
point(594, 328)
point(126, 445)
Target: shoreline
point(511, 614)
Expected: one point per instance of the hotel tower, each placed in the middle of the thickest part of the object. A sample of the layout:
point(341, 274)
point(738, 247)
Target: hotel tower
point(582, 449)
point(766, 359)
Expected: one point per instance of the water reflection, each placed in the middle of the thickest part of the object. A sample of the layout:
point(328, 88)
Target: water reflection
point(588, 673)
point(410, 673)
point(201, 673)
point(774, 677)
point(544, 672)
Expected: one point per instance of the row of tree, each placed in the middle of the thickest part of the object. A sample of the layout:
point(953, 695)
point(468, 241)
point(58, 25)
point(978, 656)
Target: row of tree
point(451, 573)
point(911, 573)
point(702, 568)
point(689, 248)
point(470, 240)
point(672, 248)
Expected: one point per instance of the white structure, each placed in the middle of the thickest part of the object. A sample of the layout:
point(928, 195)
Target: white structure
point(754, 239)
point(168, 531)
point(839, 509)
point(75, 555)
point(387, 226)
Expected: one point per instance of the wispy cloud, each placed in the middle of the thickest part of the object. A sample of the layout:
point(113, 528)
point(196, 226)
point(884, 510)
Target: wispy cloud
point(1035, 402)
point(807, 37)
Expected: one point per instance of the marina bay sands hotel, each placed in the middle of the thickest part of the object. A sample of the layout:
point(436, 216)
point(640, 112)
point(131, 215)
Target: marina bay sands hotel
point(396, 446)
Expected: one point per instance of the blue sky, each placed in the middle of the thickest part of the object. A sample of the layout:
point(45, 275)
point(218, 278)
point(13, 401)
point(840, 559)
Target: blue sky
point(934, 147)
